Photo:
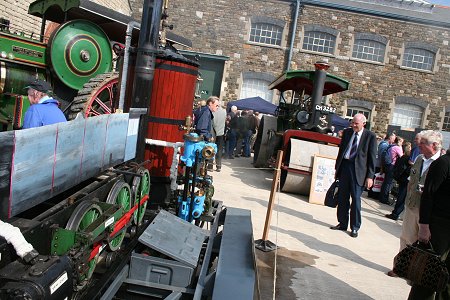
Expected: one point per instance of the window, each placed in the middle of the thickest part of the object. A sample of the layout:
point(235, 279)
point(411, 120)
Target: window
point(319, 42)
point(265, 33)
point(446, 124)
point(369, 50)
point(256, 87)
point(407, 115)
point(351, 111)
point(418, 58)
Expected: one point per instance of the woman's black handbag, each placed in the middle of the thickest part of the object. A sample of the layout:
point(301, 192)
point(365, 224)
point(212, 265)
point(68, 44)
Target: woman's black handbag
point(420, 264)
point(331, 198)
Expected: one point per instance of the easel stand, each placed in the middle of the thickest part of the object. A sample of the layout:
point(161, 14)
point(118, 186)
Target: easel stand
point(263, 244)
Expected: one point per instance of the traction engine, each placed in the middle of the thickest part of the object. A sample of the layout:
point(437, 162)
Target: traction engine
point(302, 127)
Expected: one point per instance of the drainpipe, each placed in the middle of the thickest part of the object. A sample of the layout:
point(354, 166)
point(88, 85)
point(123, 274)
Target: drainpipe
point(294, 30)
point(126, 59)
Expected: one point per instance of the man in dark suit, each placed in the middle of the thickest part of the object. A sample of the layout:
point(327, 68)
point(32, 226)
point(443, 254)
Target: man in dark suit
point(355, 168)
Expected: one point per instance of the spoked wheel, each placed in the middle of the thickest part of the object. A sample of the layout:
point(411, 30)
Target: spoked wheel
point(83, 216)
point(98, 96)
point(141, 187)
point(119, 194)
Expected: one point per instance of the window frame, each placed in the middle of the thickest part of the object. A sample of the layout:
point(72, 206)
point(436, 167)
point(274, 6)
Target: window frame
point(263, 20)
point(357, 109)
point(427, 48)
point(446, 121)
point(408, 124)
point(278, 34)
point(321, 30)
point(267, 78)
point(377, 39)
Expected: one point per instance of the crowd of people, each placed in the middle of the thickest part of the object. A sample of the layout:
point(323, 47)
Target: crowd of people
point(422, 172)
point(234, 132)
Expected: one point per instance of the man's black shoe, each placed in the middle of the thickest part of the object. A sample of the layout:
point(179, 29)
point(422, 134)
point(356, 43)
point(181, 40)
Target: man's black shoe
point(338, 227)
point(387, 203)
point(354, 234)
point(392, 217)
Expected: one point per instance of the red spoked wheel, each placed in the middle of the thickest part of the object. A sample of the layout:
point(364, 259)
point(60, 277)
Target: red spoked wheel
point(98, 97)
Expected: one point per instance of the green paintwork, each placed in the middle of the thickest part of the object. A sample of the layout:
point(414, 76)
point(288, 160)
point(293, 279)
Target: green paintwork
point(18, 76)
point(144, 189)
point(79, 50)
point(304, 80)
point(38, 8)
point(62, 241)
point(22, 50)
point(124, 200)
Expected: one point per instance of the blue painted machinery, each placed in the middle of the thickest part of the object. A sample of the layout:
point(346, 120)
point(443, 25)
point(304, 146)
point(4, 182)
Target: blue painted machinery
point(196, 197)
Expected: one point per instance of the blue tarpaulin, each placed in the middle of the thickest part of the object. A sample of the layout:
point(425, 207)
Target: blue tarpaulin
point(257, 104)
point(339, 123)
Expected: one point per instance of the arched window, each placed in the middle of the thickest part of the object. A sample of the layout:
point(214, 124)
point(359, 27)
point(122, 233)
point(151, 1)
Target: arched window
point(407, 115)
point(446, 124)
point(265, 30)
point(419, 56)
point(352, 111)
point(369, 47)
point(318, 38)
point(253, 87)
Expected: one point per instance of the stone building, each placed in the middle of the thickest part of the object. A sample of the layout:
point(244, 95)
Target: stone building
point(395, 54)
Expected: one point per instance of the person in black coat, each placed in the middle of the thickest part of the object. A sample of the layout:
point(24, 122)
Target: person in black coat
point(355, 168)
point(434, 221)
point(401, 175)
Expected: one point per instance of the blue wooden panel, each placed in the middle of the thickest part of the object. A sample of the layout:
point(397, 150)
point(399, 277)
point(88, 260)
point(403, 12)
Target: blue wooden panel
point(69, 152)
point(94, 146)
point(32, 167)
point(50, 159)
point(116, 137)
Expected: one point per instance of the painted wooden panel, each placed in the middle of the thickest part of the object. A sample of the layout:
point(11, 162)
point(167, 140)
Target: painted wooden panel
point(32, 170)
point(69, 153)
point(45, 161)
point(116, 137)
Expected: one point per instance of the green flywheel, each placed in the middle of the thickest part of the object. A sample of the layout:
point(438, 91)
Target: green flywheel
point(79, 50)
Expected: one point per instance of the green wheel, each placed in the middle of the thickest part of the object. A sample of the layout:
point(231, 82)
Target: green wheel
point(77, 51)
point(83, 216)
point(119, 194)
point(141, 187)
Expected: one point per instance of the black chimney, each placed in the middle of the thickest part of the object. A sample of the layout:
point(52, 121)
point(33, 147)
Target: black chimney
point(145, 66)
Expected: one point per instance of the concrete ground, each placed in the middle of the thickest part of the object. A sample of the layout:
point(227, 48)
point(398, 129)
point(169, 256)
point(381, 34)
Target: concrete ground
point(312, 261)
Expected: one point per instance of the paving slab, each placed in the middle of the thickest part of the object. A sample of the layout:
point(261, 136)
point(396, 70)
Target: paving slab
point(312, 261)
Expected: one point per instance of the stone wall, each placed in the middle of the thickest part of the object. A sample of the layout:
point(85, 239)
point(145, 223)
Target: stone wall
point(221, 27)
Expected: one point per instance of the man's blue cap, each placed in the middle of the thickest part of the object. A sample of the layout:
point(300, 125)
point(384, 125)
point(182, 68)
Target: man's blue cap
point(40, 85)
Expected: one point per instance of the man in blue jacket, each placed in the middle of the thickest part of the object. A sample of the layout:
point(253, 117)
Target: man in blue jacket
point(44, 110)
point(204, 118)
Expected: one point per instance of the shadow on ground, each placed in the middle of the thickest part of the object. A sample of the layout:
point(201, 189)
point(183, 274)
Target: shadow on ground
point(313, 243)
point(318, 245)
point(298, 277)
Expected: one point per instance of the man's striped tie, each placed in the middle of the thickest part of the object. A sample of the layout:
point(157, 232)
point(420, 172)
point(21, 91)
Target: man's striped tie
point(354, 147)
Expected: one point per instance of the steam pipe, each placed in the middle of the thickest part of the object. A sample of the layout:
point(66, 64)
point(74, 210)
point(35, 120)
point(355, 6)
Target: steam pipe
point(175, 159)
point(126, 59)
point(145, 66)
point(317, 93)
point(294, 30)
